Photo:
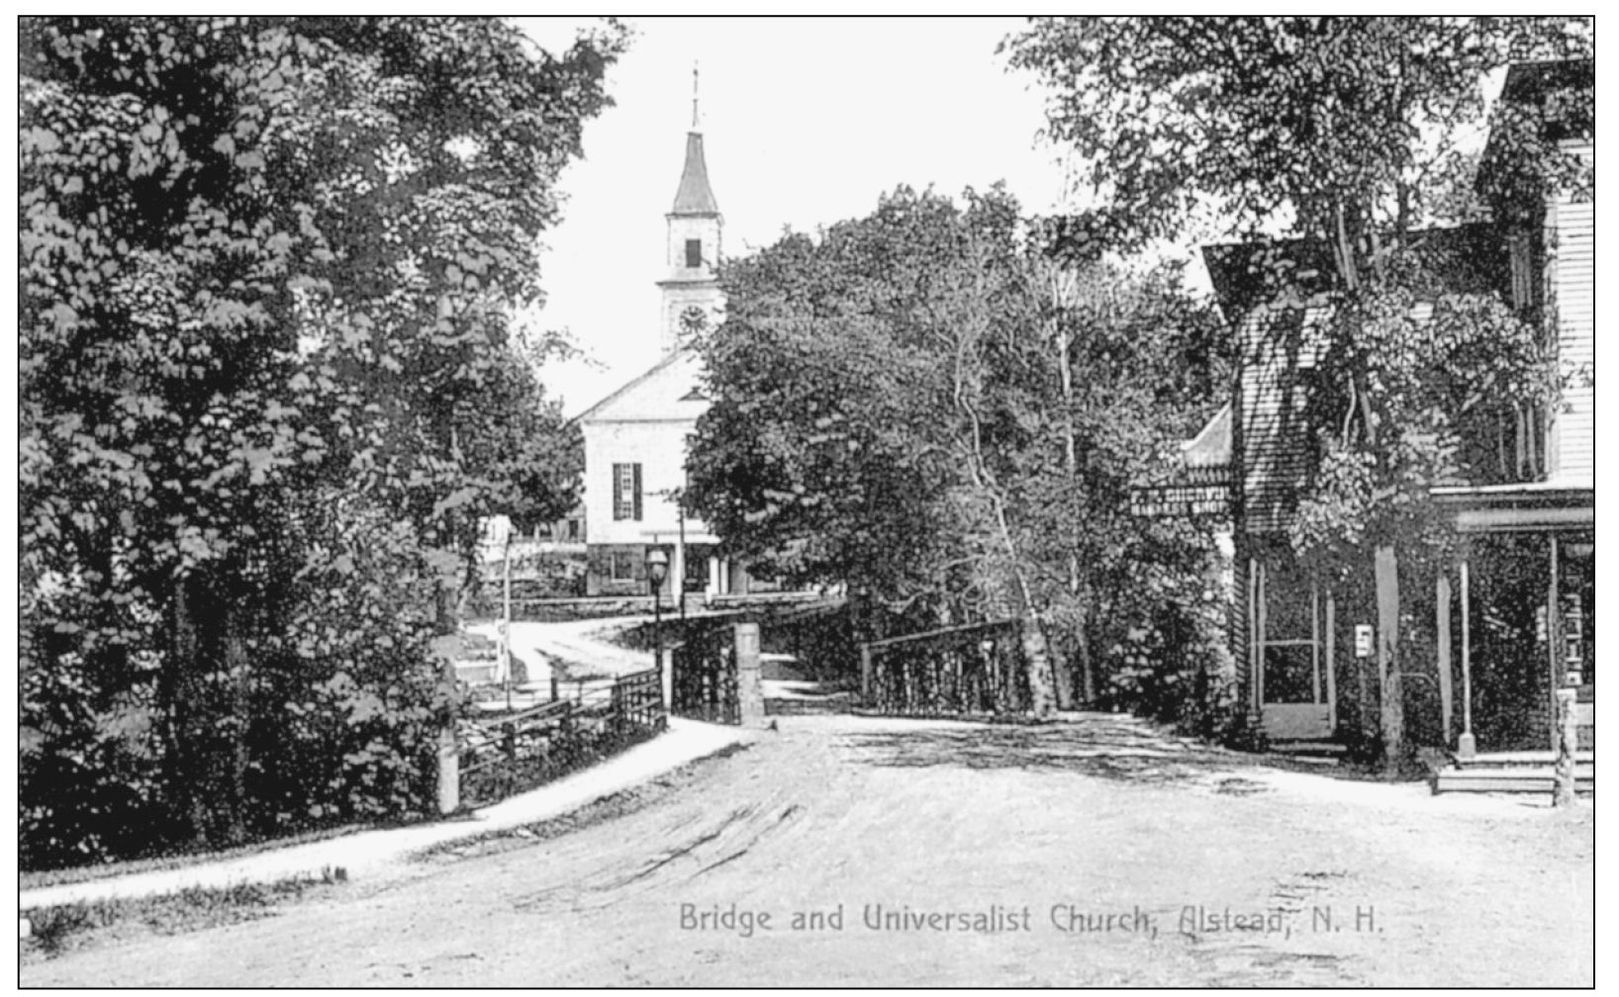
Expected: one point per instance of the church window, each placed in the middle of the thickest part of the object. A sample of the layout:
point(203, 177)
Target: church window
point(694, 252)
point(627, 491)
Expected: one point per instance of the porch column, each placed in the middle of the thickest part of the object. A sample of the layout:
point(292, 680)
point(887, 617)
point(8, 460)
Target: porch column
point(1332, 664)
point(1465, 746)
point(1554, 640)
point(1256, 637)
point(1442, 632)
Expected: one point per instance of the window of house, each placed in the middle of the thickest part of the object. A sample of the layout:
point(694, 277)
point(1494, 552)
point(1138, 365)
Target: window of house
point(573, 529)
point(694, 252)
point(1523, 288)
point(627, 491)
point(623, 568)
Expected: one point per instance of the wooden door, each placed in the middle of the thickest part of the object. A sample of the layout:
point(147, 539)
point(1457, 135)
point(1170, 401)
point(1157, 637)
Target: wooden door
point(1295, 693)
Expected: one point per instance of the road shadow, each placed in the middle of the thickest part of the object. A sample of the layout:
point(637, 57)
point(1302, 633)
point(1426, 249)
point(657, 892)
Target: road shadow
point(1107, 746)
point(1108, 749)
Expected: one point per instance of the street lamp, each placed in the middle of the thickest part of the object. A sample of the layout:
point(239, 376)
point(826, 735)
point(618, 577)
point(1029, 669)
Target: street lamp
point(657, 569)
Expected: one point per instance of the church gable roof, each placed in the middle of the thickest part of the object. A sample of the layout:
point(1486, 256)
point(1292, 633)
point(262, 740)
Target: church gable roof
point(695, 197)
point(669, 390)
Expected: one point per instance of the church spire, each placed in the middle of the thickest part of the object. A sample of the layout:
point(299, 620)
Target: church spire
point(694, 197)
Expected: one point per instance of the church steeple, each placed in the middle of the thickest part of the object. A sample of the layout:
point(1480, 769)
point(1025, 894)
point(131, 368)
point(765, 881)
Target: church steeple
point(694, 197)
point(691, 293)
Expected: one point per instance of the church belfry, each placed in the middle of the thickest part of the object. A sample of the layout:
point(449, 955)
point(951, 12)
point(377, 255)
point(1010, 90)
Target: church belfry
point(691, 291)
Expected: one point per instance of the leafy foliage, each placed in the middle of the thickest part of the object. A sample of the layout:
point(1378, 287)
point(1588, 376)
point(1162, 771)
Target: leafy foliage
point(929, 405)
point(1310, 123)
point(269, 384)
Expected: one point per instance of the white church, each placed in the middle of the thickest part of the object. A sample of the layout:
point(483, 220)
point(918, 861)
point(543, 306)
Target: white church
point(636, 437)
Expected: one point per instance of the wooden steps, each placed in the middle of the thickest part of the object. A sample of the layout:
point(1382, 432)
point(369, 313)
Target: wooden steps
point(1313, 752)
point(1512, 772)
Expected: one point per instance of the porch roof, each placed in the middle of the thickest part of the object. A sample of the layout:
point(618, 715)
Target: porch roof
point(1532, 506)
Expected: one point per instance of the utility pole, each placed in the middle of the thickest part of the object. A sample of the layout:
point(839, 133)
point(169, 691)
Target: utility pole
point(506, 611)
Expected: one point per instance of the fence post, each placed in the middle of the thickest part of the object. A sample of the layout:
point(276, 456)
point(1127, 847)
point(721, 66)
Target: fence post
point(666, 678)
point(750, 693)
point(449, 772)
point(865, 675)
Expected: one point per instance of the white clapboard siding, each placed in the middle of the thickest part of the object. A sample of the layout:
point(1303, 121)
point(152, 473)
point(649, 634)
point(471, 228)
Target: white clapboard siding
point(1573, 288)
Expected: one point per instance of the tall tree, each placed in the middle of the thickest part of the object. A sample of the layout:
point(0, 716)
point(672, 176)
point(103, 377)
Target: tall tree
point(268, 269)
point(903, 407)
point(1341, 130)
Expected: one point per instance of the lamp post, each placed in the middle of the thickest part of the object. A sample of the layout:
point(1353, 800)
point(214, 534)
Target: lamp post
point(657, 569)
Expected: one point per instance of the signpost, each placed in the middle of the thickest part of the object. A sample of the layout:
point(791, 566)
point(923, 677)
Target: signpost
point(500, 532)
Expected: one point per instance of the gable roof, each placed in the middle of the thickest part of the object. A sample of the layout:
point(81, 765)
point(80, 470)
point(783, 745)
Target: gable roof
point(1211, 447)
point(631, 384)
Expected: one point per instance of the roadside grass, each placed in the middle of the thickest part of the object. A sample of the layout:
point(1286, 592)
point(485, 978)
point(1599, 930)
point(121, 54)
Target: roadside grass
point(605, 808)
point(64, 928)
point(41, 878)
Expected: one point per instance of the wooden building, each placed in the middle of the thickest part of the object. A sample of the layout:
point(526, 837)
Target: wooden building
point(1485, 640)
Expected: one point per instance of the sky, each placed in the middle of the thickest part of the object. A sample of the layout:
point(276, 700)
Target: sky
point(805, 122)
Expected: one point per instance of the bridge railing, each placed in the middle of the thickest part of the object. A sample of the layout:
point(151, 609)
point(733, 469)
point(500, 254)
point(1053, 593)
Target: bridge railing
point(971, 669)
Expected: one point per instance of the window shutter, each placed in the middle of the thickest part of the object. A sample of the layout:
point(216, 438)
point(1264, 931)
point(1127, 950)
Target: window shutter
point(618, 492)
point(637, 473)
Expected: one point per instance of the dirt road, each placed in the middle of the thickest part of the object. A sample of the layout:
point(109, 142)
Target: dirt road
point(985, 855)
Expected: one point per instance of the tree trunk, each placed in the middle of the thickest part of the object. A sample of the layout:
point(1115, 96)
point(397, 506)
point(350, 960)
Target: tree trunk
point(1386, 576)
point(1070, 458)
point(1087, 667)
point(1036, 655)
point(236, 663)
point(1063, 671)
point(186, 778)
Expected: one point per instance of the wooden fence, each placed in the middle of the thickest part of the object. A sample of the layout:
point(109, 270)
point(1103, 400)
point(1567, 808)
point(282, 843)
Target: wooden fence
point(977, 668)
point(509, 754)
